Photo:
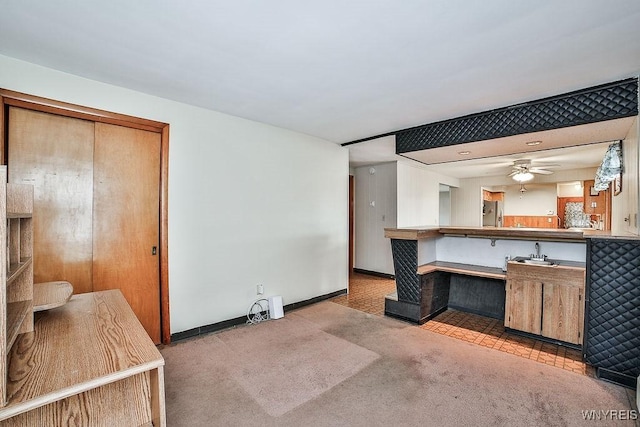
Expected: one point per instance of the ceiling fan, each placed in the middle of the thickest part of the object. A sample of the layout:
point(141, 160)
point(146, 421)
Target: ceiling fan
point(522, 170)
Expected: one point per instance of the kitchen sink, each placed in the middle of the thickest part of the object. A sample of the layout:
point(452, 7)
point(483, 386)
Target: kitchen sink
point(537, 262)
point(534, 261)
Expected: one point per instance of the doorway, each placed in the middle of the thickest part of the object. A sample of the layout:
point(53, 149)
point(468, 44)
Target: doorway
point(444, 205)
point(100, 200)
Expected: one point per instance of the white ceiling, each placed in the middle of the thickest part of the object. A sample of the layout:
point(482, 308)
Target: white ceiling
point(333, 69)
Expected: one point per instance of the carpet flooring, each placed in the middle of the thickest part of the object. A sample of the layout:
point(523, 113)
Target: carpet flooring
point(331, 365)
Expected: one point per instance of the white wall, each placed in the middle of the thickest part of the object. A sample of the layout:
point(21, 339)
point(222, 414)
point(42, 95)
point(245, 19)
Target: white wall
point(248, 203)
point(571, 189)
point(404, 196)
point(625, 205)
point(538, 200)
point(445, 207)
point(466, 200)
point(419, 195)
point(479, 251)
point(372, 249)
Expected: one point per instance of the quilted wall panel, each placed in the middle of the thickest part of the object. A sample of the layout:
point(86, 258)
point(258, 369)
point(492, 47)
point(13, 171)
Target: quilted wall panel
point(612, 339)
point(405, 263)
point(605, 102)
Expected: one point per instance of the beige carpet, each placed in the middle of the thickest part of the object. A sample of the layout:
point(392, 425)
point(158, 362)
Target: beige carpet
point(285, 363)
point(329, 365)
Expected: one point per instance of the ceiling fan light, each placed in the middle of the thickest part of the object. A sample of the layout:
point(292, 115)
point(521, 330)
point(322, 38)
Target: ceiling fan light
point(523, 176)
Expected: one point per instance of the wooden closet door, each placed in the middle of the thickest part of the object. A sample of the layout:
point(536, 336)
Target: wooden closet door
point(126, 219)
point(55, 155)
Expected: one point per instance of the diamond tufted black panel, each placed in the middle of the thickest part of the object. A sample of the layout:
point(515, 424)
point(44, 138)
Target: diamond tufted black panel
point(612, 336)
point(606, 102)
point(405, 262)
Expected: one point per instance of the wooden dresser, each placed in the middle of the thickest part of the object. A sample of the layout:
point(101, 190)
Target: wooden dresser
point(87, 363)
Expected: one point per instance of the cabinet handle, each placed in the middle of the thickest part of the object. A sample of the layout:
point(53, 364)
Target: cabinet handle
point(154, 250)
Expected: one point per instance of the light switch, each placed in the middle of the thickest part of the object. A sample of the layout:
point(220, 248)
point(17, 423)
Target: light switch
point(594, 204)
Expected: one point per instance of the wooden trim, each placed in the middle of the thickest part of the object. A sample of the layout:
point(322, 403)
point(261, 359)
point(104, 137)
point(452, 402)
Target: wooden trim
point(411, 234)
point(164, 237)
point(36, 103)
point(351, 221)
point(464, 269)
point(374, 273)
point(66, 109)
point(3, 131)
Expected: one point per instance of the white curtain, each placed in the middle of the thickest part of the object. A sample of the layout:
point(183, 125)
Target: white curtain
point(610, 168)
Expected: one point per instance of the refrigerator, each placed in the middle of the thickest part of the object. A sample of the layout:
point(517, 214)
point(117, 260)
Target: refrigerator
point(492, 213)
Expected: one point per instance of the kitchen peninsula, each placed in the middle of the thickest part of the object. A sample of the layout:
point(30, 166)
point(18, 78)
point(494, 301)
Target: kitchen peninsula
point(467, 268)
point(464, 267)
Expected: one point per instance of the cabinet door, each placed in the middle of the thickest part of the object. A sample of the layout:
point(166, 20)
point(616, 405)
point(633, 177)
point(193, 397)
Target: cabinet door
point(523, 305)
point(563, 313)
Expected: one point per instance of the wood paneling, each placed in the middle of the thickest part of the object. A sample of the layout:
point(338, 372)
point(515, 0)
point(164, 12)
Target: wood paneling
point(530, 221)
point(126, 219)
point(600, 200)
point(55, 155)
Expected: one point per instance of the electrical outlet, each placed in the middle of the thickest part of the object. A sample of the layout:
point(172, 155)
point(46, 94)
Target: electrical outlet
point(260, 289)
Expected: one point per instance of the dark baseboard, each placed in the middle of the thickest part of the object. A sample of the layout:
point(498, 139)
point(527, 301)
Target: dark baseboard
point(374, 273)
point(314, 300)
point(478, 312)
point(226, 324)
point(617, 378)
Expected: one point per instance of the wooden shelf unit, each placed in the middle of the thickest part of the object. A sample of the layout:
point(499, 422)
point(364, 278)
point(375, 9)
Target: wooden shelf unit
point(87, 359)
point(16, 277)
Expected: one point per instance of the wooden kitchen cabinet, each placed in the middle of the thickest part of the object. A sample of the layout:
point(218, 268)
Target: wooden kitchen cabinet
point(563, 310)
point(523, 304)
point(546, 301)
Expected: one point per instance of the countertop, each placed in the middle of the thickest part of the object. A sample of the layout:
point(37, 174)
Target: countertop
point(549, 234)
point(556, 263)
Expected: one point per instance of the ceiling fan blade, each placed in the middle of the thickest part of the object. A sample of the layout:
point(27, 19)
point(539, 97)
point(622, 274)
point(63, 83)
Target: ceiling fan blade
point(546, 165)
point(540, 171)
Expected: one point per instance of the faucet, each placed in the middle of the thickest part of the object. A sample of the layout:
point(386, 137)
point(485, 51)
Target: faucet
point(537, 254)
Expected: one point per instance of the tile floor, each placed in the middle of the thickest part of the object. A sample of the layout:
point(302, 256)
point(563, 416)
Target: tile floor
point(366, 293)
